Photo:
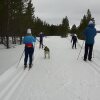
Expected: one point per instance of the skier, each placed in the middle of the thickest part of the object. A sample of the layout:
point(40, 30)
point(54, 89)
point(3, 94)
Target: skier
point(29, 48)
point(41, 39)
point(89, 34)
point(74, 40)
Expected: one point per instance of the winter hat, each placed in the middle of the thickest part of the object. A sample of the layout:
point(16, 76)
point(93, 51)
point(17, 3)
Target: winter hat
point(75, 35)
point(29, 31)
point(91, 22)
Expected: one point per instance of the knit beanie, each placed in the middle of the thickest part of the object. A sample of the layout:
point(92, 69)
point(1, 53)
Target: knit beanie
point(29, 31)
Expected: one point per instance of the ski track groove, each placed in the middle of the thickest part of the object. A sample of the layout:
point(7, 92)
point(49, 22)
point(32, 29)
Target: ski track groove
point(10, 84)
point(13, 88)
point(94, 66)
point(5, 94)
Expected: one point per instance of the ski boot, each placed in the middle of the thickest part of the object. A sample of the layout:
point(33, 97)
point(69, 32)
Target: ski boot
point(30, 66)
point(25, 67)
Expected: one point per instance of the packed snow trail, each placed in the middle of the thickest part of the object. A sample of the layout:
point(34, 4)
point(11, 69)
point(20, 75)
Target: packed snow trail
point(62, 77)
point(10, 59)
point(12, 78)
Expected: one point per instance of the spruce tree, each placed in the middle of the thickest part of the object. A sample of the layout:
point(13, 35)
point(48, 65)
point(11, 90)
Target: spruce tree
point(84, 23)
point(29, 14)
point(65, 26)
point(73, 29)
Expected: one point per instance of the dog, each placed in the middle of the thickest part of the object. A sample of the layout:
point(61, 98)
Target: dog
point(46, 52)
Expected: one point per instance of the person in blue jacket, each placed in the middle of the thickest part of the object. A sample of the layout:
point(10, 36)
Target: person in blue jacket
point(89, 34)
point(29, 48)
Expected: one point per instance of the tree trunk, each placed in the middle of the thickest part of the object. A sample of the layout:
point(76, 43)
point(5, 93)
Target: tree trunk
point(14, 39)
point(7, 41)
point(2, 40)
point(20, 40)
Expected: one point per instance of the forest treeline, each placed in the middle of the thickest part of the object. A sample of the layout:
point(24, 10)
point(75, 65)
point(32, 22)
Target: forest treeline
point(18, 15)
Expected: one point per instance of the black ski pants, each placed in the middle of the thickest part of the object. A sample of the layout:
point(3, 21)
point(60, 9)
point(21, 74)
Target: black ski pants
point(74, 44)
point(41, 44)
point(28, 54)
point(88, 51)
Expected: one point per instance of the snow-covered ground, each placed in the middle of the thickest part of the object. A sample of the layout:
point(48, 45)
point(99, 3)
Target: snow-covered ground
point(9, 57)
point(62, 77)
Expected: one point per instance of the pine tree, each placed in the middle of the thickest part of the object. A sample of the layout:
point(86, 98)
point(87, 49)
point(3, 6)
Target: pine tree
point(65, 26)
point(73, 29)
point(89, 16)
point(29, 14)
point(84, 23)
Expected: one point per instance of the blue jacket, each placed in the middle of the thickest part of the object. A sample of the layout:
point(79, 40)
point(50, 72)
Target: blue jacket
point(90, 33)
point(29, 39)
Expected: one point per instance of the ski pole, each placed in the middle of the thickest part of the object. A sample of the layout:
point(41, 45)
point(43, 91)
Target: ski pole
point(20, 58)
point(93, 53)
point(80, 50)
point(34, 51)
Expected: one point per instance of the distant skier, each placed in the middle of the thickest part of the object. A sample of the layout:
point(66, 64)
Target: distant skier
point(74, 40)
point(29, 48)
point(41, 35)
point(89, 34)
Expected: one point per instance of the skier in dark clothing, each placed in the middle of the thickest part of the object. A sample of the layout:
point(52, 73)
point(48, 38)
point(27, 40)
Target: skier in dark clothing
point(29, 48)
point(89, 34)
point(41, 39)
point(74, 40)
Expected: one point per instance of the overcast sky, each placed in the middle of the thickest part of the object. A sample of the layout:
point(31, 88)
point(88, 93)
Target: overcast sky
point(52, 11)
